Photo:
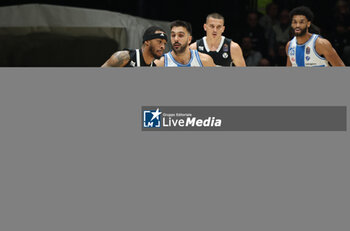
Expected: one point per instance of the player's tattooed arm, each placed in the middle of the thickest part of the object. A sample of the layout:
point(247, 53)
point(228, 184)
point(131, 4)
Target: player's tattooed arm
point(118, 59)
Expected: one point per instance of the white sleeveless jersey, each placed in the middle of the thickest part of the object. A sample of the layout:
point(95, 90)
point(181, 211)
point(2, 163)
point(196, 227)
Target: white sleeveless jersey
point(305, 55)
point(195, 61)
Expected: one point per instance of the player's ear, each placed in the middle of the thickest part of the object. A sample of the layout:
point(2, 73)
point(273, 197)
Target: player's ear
point(223, 28)
point(147, 42)
point(308, 24)
point(189, 39)
point(205, 26)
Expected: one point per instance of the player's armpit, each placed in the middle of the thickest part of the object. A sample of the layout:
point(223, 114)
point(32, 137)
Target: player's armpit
point(118, 59)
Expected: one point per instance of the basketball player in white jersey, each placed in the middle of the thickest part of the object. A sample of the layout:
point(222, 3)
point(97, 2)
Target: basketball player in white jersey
point(307, 49)
point(181, 55)
point(154, 41)
point(224, 51)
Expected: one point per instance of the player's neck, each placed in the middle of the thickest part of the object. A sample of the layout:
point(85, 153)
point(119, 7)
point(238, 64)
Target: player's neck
point(183, 57)
point(303, 39)
point(213, 43)
point(147, 56)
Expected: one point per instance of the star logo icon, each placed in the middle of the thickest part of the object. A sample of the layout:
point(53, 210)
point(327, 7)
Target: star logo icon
point(156, 114)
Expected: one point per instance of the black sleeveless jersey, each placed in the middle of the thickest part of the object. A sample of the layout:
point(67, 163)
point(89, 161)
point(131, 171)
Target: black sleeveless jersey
point(136, 59)
point(222, 56)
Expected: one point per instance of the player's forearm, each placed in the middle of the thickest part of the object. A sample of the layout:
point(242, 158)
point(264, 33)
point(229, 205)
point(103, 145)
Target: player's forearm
point(337, 62)
point(239, 63)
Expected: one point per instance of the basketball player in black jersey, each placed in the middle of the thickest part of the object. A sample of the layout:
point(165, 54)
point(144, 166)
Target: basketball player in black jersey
point(154, 41)
point(223, 50)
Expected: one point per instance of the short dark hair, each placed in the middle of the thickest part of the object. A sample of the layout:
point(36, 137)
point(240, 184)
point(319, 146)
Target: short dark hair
point(302, 10)
point(185, 24)
point(152, 30)
point(215, 15)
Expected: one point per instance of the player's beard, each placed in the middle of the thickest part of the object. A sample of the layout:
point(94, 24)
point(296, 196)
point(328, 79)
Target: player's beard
point(301, 33)
point(154, 53)
point(180, 50)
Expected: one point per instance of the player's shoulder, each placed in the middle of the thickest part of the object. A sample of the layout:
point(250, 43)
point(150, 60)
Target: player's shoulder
point(118, 59)
point(288, 43)
point(204, 57)
point(287, 46)
point(323, 46)
point(320, 41)
point(159, 62)
point(193, 46)
point(127, 51)
point(123, 54)
point(234, 45)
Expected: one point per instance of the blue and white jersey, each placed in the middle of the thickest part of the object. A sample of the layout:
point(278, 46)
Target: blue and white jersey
point(195, 61)
point(305, 55)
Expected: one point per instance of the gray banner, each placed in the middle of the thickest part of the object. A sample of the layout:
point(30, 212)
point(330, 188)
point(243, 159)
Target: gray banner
point(73, 155)
point(313, 118)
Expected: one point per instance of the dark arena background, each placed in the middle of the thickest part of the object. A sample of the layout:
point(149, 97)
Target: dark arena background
point(51, 44)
